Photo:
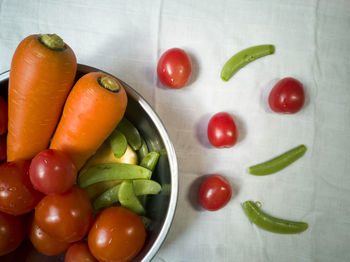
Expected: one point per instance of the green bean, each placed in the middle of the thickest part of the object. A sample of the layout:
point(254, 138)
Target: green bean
point(128, 198)
point(270, 223)
point(112, 171)
point(244, 57)
point(118, 143)
point(276, 164)
point(143, 151)
point(130, 132)
point(150, 160)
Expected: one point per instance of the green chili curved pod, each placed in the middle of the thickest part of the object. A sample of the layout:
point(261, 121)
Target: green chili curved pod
point(128, 198)
point(143, 151)
point(130, 132)
point(270, 223)
point(118, 143)
point(276, 164)
point(150, 160)
point(244, 57)
point(112, 171)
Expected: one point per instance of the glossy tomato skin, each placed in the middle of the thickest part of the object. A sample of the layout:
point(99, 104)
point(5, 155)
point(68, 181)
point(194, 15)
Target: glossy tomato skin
point(43, 242)
point(66, 217)
point(287, 96)
point(3, 148)
point(222, 130)
point(3, 116)
point(116, 235)
point(12, 233)
point(174, 68)
point(214, 192)
point(17, 195)
point(52, 172)
point(79, 252)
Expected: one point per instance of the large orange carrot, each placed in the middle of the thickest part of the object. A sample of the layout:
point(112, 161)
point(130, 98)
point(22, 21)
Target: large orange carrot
point(42, 73)
point(93, 109)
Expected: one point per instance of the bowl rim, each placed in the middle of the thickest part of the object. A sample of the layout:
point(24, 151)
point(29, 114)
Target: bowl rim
point(168, 146)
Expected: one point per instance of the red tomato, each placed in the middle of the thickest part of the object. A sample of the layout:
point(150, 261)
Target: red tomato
point(222, 130)
point(287, 96)
point(17, 195)
point(116, 235)
point(79, 252)
point(65, 217)
point(52, 172)
point(12, 232)
point(174, 68)
point(3, 116)
point(2, 148)
point(214, 192)
point(43, 242)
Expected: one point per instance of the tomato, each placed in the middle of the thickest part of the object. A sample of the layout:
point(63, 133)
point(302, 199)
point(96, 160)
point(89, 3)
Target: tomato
point(214, 192)
point(287, 96)
point(52, 172)
point(12, 232)
point(17, 195)
point(66, 216)
point(43, 242)
point(2, 148)
point(116, 235)
point(79, 252)
point(3, 116)
point(222, 131)
point(174, 68)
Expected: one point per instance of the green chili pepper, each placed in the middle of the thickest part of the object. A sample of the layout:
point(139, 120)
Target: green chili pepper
point(244, 57)
point(141, 187)
point(150, 160)
point(270, 223)
point(118, 143)
point(112, 171)
point(130, 132)
point(143, 151)
point(278, 163)
point(128, 198)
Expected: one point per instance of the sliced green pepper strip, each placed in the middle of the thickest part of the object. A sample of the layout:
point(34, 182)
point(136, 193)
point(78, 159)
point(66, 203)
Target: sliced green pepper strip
point(270, 223)
point(128, 198)
point(130, 132)
point(141, 187)
point(112, 171)
point(143, 151)
point(118, 143)
point(244, 57)
point(150, 160)
point(276, 164)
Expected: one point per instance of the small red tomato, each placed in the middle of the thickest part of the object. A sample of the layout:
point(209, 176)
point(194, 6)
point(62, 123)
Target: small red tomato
point(67, 216)
point(17, 195)
point(222, 130)
point(214, 192)
point(174, 68)
point(3, 116)
point(79, 252)
point(12, 232)
point(52, 172)
point(43, 242)
point(287, 96)
point(116, 235)
point(3, 148)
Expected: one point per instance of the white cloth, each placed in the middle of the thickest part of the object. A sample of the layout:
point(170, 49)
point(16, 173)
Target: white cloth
point(312, 40)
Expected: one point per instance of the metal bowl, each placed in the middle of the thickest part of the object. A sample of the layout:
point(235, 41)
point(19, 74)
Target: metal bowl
point(160, 208)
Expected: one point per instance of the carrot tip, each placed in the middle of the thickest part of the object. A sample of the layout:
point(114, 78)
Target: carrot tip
point(52, 41)
point(108, 83)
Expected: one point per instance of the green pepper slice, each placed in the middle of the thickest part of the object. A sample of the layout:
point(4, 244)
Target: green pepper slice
point(150, 160)
point(244, 57)
point(128, 198)
point(276, 164)
point(130, 132)
point(271, 223)
point(118, 143)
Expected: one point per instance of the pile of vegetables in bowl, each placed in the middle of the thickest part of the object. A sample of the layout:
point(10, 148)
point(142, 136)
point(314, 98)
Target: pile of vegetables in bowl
point(77, 169)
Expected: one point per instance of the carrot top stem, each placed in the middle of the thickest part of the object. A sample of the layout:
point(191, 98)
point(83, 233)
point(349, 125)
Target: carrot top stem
point(52, 41)
point(108, 83)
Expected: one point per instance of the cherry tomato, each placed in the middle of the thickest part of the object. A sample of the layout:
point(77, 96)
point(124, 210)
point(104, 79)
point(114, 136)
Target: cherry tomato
point(3, 116)
point(65, 217)
point(222, 130)
point(17, 195)
point(43, 242)
point(79, 252)
point(2, 148)
point(174, 68)
point(287, 96)
point(12, 232)
point(116, 235)
point(214, 192)
point(52, 172)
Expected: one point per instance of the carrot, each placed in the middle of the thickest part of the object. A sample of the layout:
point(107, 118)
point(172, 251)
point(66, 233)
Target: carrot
point(93, 109)
point(42, 73)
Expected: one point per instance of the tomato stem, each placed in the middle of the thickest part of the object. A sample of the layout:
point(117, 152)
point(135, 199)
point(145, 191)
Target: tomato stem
point(52, 41)
point(108, 83)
